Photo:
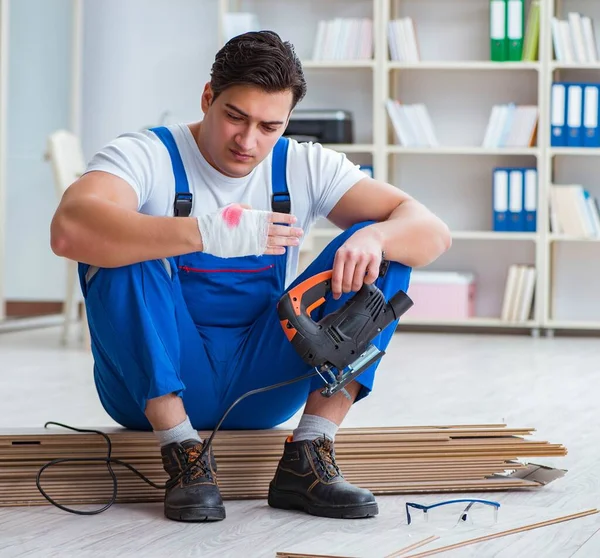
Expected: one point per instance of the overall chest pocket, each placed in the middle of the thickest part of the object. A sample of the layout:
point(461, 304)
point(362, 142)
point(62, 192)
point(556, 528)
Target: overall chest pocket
point(228, 292)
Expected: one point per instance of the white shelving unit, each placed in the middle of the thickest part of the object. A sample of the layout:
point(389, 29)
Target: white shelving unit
point(3, 113)
point(461, 150)
point(571, 299)
point(459, 85)
point(463, 65)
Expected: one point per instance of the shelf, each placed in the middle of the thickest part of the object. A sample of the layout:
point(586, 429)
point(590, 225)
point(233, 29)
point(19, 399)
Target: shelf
point(493, 235)
point(351, 147)
point(324, 64)
point(463, 65)
point(574, 66)
point(456, 150)
point(471, 322)
point(565, 238)
point(566, 324)
point(576, 151)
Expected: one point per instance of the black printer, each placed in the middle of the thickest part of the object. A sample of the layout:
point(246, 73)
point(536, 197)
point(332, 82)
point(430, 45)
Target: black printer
point(321, 126)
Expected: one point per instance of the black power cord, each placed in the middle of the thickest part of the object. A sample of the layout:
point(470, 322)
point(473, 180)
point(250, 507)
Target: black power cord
point(110, 460)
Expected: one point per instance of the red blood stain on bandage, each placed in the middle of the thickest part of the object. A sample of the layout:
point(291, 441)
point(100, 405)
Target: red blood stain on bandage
point(232, 215)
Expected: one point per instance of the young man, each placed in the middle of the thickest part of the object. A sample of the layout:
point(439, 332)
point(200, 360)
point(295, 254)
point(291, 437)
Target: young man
point(181, 290)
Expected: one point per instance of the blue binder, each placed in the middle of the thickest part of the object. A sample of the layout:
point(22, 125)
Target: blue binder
point(574, 115)
point(591, 132)
point(558, 114)
point(530, 191)
point(516, 215)
point(500, 199)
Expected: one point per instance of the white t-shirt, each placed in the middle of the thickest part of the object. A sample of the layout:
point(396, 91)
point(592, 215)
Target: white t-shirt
point(317, 178)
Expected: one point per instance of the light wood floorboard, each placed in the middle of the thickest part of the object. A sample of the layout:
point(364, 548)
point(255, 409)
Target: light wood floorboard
point(549, 384)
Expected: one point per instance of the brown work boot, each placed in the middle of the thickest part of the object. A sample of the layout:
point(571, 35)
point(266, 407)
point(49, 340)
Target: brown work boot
point(308, 479)
point(195, 496)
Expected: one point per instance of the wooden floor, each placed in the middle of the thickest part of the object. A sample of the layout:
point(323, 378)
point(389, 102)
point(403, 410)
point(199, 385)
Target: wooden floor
point(550, 384)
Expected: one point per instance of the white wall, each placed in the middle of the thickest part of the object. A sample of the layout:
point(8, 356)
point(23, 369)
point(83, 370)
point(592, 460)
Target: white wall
point(38, 103)
point(142, 58)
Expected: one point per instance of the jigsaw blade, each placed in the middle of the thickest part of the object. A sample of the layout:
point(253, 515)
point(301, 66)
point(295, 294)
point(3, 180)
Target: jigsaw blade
point(343, 378)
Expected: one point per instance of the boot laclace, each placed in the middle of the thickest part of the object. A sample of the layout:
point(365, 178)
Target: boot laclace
point(200, 468)
point(326, 456)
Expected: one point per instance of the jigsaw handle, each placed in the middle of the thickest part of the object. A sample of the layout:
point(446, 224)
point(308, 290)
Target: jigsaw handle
point(305, 297)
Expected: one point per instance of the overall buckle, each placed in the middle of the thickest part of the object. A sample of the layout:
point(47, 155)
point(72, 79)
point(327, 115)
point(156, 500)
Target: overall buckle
point(282, 205)
point(183, 204)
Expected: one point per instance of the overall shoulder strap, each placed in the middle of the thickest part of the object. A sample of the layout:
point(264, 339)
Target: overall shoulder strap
point(183, 197)
point(280, 199)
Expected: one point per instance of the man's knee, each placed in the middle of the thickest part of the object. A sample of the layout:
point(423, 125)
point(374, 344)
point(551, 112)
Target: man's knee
point(89, 273)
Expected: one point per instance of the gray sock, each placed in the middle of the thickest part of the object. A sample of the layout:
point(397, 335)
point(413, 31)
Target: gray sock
point(179, 433)
point(313, 426)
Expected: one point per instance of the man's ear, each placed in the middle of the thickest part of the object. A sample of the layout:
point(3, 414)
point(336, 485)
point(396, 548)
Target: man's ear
point(207, 97)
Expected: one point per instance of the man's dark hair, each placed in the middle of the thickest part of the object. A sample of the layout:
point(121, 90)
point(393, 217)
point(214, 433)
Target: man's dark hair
point(262, 59)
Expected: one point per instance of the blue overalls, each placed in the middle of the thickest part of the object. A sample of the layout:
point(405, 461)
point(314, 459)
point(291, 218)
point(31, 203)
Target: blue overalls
point(207, 329)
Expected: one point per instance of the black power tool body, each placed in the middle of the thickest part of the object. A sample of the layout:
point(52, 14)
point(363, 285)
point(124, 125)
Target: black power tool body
point(339, 345)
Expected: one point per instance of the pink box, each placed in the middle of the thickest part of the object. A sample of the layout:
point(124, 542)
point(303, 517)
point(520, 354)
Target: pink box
point(441, 295)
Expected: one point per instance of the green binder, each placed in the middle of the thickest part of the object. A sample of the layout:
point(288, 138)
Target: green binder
point(498, 42)
point(532, 33)
point(515, 15)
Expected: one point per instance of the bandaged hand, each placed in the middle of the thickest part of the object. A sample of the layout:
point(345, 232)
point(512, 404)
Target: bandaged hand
point(237, 230)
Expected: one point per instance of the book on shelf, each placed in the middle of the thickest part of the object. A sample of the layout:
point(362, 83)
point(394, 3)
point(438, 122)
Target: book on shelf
point(573, 211)
point(511, 40)
point(344, 39)
point(514, 199)
point(510, 125)
point(573, 39)
point(412, 124)
point(519, 291)
point(402, 40)
point(531, 40)
point(574, 113)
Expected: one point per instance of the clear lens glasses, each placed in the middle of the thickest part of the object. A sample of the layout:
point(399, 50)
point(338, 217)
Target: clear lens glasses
point(453, 513)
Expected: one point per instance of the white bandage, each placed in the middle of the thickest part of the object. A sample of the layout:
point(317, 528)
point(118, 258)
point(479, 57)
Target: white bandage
point(234, 231)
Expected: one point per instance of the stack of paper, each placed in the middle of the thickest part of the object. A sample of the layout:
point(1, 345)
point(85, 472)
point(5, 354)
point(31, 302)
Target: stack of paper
point(344, 39)
point(518, 293)
point(402, 40)
point(574, 212)
point(511, 126)
point(574, 39)
point(412, 124)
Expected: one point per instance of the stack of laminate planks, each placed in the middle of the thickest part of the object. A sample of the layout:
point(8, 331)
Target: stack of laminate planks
point(387, 460)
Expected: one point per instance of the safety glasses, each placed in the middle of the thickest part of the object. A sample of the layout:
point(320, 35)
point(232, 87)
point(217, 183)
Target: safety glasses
point(450, 513)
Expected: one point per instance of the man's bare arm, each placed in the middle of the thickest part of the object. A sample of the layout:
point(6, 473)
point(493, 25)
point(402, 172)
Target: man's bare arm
point(409, 232)
point(97, 223)
point(406, 230)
